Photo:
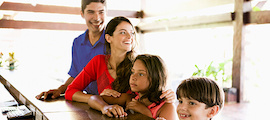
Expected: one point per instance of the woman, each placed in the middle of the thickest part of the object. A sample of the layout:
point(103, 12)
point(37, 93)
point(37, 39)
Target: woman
point(112, 71)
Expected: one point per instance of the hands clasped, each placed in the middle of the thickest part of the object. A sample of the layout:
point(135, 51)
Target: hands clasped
point(114, 110)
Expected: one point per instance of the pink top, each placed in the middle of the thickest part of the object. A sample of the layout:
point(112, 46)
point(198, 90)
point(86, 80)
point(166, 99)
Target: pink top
point(153, 107)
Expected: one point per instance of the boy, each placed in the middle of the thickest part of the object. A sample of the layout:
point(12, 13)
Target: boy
point(199, 98)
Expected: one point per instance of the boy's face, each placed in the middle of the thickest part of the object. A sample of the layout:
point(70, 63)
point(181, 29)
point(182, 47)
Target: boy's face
point(94, 15)
point(190, 109)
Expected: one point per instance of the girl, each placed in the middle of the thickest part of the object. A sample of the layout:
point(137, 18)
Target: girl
point(148, 79)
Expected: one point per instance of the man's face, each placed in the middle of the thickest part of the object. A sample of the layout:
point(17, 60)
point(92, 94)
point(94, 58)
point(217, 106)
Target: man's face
point(94, 15)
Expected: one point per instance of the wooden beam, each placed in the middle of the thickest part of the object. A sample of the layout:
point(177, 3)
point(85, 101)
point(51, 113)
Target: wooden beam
point(41, 25)
point(187, 23)
point(39, 8)
point(242, 16)
point(260, 17)
point(62, 9)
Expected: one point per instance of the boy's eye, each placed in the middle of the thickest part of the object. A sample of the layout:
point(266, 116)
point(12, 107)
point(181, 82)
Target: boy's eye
point(192, 103)
point(180, 101)
point(122, 32)
point(132, 72)
point(140, 74)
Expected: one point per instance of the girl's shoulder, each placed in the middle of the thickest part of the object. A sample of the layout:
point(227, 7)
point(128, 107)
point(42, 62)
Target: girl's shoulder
point(167, 110)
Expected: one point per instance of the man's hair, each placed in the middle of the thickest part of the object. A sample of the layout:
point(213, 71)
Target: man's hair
point(84, 3)
point(202, 89)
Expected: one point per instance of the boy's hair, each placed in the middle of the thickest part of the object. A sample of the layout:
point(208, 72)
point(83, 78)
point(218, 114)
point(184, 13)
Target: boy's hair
point(203, 90)
point(84, 3)
point(157, 76)
point(121, 83)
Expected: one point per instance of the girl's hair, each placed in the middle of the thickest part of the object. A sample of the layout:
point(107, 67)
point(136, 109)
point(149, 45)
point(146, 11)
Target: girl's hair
point(121, 83)
point(84, 3)
point(203, 90)
point(157, 76)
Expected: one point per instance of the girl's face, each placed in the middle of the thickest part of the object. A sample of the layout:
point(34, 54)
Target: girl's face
point(123, 37)
point(139, 77)
point(190, 109)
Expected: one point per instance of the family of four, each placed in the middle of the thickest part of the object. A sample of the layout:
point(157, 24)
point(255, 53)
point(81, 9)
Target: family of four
point(107, 75)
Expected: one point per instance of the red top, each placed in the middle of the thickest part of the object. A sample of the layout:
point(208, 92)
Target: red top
point(96, 69)
point(153, 107)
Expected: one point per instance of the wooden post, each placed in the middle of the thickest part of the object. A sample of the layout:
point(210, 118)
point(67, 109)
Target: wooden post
point(242, 10)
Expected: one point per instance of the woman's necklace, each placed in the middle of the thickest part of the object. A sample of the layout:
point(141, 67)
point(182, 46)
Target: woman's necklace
point(111, 70)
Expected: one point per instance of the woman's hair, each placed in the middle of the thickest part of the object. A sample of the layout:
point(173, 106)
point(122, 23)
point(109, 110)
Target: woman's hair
point(157, 76)
point(84, 3)
point(203, 90)
point(121, 83)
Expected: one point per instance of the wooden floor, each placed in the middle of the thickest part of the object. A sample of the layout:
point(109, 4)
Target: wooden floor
point(244, 111)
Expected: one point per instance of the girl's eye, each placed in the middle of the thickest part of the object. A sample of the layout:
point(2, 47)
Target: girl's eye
point(132, 73)
point(122, 32)
point(180, 101)
point(141, 74)
point(133, 33)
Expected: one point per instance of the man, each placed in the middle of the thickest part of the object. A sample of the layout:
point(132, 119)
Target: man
point(85, 46)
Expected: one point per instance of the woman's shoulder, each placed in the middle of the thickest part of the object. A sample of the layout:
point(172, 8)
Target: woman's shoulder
point(100, 58)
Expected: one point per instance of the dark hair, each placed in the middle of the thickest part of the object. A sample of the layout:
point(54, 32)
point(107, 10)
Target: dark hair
point(202, 89)
point(157, 76)
point(121, 83)
point(84, 3)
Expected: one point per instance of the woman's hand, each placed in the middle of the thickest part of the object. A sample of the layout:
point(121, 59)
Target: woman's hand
point(110, 92)
point(114, 110)
point(169, 95)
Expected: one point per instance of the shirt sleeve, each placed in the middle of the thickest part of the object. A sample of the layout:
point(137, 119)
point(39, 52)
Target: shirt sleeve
point(85, 77)
point(73, 71)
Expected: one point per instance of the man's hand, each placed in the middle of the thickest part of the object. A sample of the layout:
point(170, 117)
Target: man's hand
point(53, 93)
point(110, 92)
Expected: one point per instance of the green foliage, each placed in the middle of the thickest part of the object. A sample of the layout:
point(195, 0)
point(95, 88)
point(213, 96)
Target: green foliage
point(214, 71)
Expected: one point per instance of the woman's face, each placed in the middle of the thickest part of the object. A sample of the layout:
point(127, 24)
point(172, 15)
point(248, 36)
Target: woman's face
point(139, 77)
point(123, 37)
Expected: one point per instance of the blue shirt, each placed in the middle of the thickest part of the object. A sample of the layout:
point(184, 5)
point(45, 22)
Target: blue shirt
point(82, 52)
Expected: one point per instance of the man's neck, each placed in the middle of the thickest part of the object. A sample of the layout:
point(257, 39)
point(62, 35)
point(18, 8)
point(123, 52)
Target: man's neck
point(94, 36)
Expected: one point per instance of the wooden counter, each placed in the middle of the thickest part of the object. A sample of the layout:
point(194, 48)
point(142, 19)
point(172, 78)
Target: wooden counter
point(24, 85)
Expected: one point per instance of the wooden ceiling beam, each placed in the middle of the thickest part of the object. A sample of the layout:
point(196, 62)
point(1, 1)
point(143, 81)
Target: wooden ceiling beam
point(62, 9)
point(41, 25)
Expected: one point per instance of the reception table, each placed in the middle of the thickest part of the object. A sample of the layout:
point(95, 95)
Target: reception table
point(25, 84)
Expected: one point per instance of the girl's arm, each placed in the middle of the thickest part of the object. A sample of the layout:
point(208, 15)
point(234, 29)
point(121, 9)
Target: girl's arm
point(137, 106)
point(102, 103)
point(168, 111)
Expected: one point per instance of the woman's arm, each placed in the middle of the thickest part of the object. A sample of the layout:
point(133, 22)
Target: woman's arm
point(82, 80)
point(168, 111)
